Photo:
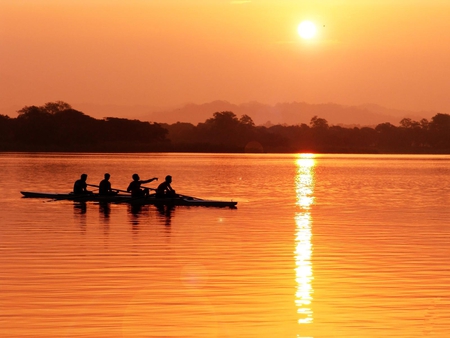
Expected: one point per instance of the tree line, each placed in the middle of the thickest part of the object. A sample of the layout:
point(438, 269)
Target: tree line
point(56, 126)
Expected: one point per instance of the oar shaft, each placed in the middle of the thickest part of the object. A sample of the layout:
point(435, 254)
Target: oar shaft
point(96, 186)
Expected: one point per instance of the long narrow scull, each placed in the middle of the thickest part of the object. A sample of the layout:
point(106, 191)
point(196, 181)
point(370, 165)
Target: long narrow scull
point(126, 198)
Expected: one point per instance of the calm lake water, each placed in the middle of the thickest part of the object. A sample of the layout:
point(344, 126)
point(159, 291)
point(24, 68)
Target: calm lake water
point(319, 246)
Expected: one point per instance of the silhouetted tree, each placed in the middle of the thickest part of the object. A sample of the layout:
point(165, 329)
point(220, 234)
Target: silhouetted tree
point(246, 120)
point(298, 138)
point(35, 126)
point(414, 133)
point(440, 131)
point(317, 122)
point(367, 138)
point(180, 132)
point(6, 130)
point(56, 126)
point(387, 135)
point(320, 133)
point(56, 107)
point(225, 129)
point(75, 129)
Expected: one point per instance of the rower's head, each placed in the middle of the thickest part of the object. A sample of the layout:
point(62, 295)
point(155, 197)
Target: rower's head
point(107, 176)
point(83, 177)
point(135, 177)
point(169, 179)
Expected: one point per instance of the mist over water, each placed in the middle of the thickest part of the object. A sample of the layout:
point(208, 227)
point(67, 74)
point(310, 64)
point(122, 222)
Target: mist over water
point(319, 246)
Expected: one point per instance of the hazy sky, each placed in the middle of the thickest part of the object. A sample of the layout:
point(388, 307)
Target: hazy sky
point(160, 53)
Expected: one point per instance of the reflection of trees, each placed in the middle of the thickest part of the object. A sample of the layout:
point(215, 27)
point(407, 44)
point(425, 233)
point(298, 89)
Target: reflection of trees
point(56, 126)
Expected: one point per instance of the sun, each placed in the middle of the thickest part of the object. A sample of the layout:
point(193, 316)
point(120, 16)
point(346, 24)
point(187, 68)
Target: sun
point(307, 30)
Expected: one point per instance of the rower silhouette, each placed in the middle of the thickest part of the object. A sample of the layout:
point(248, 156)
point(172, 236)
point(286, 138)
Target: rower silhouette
point(80, 185)
point(135, 186)
point(165, 189)
point(104, 188)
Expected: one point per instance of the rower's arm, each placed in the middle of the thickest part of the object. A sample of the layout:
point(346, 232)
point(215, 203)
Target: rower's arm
point(150, 180)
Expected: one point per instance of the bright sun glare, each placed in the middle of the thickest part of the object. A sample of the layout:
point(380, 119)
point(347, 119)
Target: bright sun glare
point(307, 29)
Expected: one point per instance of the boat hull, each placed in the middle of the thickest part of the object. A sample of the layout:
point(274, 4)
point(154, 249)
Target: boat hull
point(123, 198)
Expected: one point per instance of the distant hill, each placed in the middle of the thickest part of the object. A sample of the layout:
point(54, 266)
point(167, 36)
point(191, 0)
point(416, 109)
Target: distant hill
point(287, 113)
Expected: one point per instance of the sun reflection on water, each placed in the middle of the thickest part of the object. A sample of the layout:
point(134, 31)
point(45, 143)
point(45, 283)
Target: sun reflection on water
point(303, 246)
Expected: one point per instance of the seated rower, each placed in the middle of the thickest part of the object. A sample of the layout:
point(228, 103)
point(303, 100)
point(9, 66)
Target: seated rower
point(165, 189)
point(135, 186)
point(80, 186)
point(104, 188)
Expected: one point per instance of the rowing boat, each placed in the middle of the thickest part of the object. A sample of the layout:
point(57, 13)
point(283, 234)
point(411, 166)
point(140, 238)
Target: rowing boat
point(123, 198)
point(126, 198)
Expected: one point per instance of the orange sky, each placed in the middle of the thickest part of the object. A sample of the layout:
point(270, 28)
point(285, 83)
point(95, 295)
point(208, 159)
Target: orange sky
point(162, 53)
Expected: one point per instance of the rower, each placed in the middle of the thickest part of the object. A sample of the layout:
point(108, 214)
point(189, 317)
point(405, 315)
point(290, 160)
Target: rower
point(104, 188)
point(165, 189)
point(135, 186)
point(80, 186)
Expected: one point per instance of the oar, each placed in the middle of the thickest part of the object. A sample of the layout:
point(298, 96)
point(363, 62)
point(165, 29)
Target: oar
point(180, 195)
point(96, 186)
point(186, 197)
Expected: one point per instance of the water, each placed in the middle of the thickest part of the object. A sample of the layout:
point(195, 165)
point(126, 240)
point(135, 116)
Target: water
point(319, 246)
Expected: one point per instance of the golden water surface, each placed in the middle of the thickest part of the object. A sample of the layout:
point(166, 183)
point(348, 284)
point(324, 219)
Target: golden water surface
point(319, 246)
